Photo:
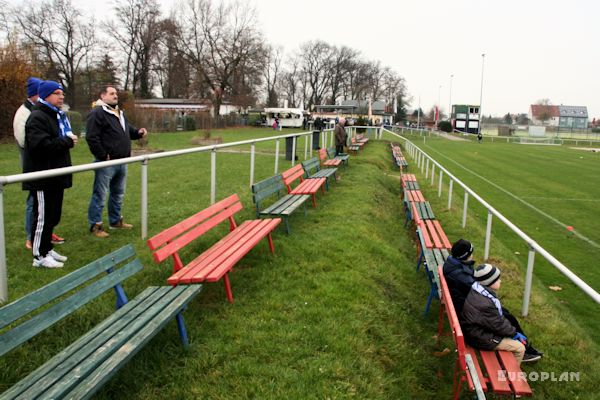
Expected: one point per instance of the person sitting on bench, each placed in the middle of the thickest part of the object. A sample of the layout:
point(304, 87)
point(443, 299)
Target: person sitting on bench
point(459, 273)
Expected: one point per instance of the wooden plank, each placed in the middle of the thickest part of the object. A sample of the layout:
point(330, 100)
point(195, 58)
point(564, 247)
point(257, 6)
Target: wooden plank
point(286, 205)
point(425, 235)
point(432, 232)
point(138, 336)
point(514, 374)
point(482, 379)
point(429, 210)
point(492, 366)
point(34, 300)
point(58, 311)
point(445, 242)
point(290, 175)
point(267, 188)
point(169, 233)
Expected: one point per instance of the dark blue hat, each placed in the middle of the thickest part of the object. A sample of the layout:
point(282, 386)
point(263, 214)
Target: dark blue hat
point(46, 88)
point(32, 86)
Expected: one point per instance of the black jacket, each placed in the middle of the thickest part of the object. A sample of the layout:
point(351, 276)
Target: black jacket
point(46, 149)
point(459, 276)
point(481, 322)
point(105, 135)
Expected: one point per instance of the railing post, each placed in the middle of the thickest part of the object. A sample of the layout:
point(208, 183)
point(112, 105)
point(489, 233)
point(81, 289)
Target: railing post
point(528, 279)
point(464, 221)
point(252, 151)
point(311, 144)
point(450, 193)
point(432, 173)
point(294, 150)
point(488, 236)
point(276, 156)
point(440, 184)
point(306, 147)
point(422, 162)
point(144, 199)
point(213, 176)
point(426, 168)
point(3, 272)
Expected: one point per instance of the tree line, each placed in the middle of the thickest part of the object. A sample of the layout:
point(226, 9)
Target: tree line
point(204, 49)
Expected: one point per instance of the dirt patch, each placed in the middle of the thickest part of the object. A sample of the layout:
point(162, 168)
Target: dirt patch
point(200, 141)
point(145, 150)
point(592, 149)
point(455, 138)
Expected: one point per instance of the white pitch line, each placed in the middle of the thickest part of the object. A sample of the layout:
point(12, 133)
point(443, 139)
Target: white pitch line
point(559, 199)
point(550, 217)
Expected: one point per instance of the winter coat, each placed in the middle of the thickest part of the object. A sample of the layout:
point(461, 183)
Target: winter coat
point(108, 134)
point(19, 122)
point(481, 322)
point(459, 276)
point(340, 135)
point(46, 149)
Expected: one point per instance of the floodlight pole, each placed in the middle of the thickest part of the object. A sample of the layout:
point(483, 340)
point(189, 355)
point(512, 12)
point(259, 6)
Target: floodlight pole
point(481, 95)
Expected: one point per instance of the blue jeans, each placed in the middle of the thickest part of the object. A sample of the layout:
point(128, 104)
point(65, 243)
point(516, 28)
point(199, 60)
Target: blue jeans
point(110, 178)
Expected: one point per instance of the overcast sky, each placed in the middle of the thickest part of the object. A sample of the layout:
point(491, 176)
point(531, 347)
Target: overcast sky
point(533, 49)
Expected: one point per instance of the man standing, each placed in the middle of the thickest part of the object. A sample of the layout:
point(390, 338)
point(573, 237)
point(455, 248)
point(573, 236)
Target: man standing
point(19, 131)
point(48, 140)
point(109, 136)
point(340, 136)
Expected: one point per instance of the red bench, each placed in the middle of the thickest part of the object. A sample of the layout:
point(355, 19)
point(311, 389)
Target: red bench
point(306, 186)
point(502, 372)
point(415, 196)
point(433, 234)
point(326, 162)
point(217, 261)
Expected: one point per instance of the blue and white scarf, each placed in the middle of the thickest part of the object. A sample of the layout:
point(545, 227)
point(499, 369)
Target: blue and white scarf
point(61, 116)
point(476, 286)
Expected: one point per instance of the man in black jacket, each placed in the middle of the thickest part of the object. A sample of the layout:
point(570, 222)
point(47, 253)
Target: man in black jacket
point(48, 140)
point(109, 135)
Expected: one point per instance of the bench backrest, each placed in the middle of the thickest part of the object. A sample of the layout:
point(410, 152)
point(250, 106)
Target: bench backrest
point(26, 306)
point(311, 164)
point(323, 154)
point(170, 241)
point(266, 188)
point(331, 152)
point(290, 175)
point(457, 333)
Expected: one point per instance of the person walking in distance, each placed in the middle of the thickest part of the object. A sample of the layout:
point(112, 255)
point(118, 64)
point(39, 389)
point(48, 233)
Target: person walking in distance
point(109, 135)
point(48, 140)
point(19, 121)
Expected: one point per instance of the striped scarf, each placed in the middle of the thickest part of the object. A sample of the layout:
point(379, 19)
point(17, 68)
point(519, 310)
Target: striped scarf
point(476, 286)
point(61, 116)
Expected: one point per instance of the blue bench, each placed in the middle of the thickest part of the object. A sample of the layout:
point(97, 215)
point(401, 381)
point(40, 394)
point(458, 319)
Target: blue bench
point(83, 367)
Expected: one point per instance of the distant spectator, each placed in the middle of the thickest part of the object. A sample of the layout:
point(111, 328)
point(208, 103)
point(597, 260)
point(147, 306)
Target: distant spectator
point(340, 136)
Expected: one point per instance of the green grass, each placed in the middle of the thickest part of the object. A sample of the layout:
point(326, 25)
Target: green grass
point(335, 313)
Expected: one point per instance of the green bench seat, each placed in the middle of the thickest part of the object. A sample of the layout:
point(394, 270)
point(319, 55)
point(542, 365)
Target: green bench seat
point(284, 206)
point(312, 168)
point(343, 157)
point(84, 366)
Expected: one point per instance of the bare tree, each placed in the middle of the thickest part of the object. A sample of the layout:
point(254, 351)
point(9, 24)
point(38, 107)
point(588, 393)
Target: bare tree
point(171, 68)
point(217, 41)
point(316, 68)
point(271, 73)
point(56, 29)
point(290, 83)
point(341, 66)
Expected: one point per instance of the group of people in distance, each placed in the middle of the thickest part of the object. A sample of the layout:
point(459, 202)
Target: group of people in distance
point(45, 138)
point(485, 323)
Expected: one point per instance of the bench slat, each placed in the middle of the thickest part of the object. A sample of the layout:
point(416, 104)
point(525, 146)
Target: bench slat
point(168, 234)
point(492, 366)
point(513, 371)
point(482, 380)
point(433, 234)
point(309, 186)
point(54, 290)
point(290, 175)
point(266, 188)
point(442, 235)
point(161, 314)
point(286, 205)
point(55, 313)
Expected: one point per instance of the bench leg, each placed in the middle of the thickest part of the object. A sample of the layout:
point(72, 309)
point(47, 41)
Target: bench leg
point(432, 295)
point(314, 199)
point(228, 288)
point(287, 226)
point(182, 332)
point(420, 260)
point(458, 378)
point(270, 238)
point(441, 321)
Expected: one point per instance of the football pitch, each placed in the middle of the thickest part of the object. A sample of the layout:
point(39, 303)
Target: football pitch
point(552, 193)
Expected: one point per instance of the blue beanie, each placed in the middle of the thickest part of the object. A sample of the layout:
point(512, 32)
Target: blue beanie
point(32, 86)
point(46, 88)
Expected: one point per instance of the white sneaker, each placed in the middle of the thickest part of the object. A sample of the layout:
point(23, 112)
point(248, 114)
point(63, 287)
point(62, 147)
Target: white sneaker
point(47, 262)
point(57, 257)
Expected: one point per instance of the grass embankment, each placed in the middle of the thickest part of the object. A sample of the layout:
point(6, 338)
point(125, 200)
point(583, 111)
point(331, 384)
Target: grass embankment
point(335, 313)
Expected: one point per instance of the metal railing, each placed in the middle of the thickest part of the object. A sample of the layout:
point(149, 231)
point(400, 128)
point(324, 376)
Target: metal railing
point(326, 138)
point(423, 160)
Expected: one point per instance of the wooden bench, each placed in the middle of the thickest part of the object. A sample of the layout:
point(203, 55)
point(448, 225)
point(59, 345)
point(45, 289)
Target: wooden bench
point(284, 206)
point(313, 170)
point(360, 138)
point(328, 162)
point(417, 210)
point(502, 372)
point(398, 157)
point(355, 146)
point(306, 186)
point(343, 157)
point(84, 366)
point(216, 262)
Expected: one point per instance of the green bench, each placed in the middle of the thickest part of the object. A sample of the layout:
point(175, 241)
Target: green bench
point(312, 168)
point(283, 206)
point(343, 157)
point(83, 367)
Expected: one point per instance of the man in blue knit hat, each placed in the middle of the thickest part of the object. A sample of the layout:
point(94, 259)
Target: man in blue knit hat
point(48, 140)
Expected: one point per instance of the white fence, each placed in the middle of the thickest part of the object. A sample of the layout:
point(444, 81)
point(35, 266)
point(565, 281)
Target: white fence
point(423, 161)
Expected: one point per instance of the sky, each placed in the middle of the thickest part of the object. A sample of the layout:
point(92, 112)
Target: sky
point(533, 49)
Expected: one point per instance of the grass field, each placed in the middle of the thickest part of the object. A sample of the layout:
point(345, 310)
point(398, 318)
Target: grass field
point(335, 313)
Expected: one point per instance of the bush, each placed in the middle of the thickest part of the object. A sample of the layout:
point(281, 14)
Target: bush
point(444, 126)
point(596, 129)
point(76, 122)
point(360, 121)
point(189, 123)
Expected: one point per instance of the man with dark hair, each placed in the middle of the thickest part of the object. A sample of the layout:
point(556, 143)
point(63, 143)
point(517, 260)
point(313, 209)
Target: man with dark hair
point(109, 135)
point(48, 140)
